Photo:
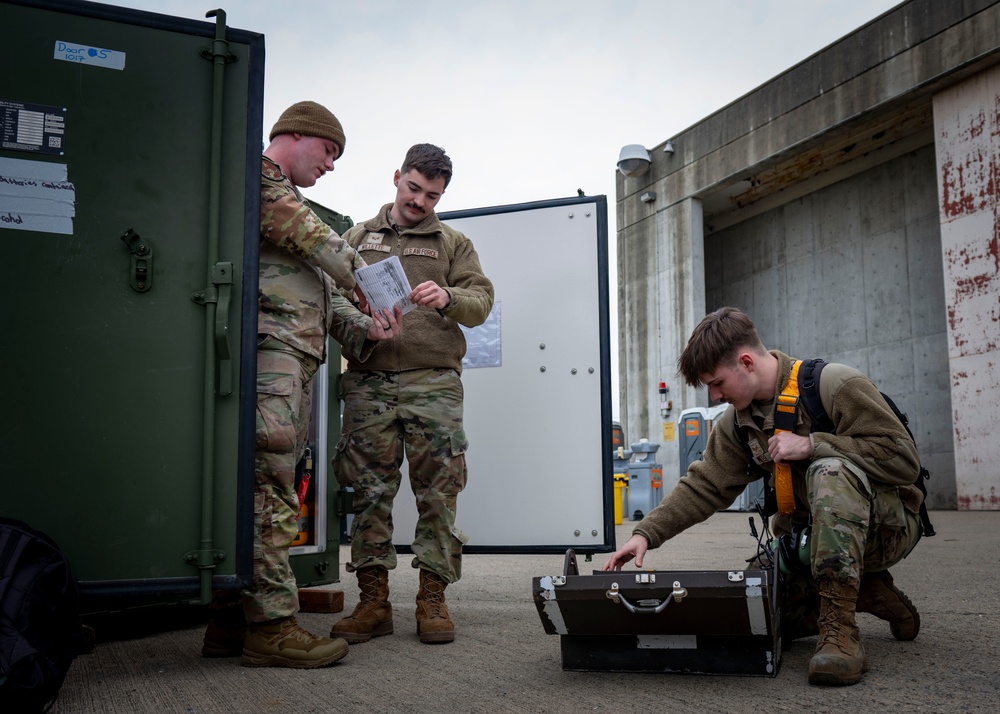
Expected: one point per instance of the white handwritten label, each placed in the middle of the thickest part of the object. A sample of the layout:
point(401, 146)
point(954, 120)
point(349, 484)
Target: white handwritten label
point(84, 54)
point(35, 196)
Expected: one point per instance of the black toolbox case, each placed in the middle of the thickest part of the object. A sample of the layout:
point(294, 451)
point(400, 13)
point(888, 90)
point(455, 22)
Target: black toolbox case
point(692, 622)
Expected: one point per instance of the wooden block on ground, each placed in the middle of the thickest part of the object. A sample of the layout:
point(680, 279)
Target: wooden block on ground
point(320, 600)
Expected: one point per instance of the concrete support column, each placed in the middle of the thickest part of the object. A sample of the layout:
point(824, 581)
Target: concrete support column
point(659, 324)
point(968, 144)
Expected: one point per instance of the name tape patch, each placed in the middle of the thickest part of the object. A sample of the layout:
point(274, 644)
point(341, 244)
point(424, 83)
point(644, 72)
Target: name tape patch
point(427, 252)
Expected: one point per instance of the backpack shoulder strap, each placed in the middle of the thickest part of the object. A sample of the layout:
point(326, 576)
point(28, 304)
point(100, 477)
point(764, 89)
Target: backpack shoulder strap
point(809, 375)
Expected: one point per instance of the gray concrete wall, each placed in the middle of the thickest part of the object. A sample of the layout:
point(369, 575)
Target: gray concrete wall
point(852, 273)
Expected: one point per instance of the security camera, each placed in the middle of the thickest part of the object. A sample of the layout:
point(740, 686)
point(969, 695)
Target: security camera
point(634, 160)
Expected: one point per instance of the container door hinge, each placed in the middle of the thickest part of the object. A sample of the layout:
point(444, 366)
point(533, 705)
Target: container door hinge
point(209, 54)
point(204, 558)
point(221, 294)
point(140, 272)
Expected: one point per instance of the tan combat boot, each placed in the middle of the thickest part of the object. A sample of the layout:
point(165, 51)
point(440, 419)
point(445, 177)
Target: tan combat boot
point(879, 597)
point(433, 622)
point(372, 616)
point(840, 657)
point(282, 643)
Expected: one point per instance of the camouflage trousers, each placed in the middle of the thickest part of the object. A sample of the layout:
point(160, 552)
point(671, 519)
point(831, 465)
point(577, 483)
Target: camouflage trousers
point(284, 407)
point(416, 413)
point(858, 525)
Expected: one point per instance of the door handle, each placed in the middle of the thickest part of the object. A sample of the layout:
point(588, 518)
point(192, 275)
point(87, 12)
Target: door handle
point(140, 273)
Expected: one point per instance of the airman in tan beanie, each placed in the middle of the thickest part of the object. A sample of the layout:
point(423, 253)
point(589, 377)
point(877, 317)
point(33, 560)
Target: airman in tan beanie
point(306, 271)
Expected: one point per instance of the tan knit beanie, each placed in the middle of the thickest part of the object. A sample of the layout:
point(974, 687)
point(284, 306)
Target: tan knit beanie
point(310, 119)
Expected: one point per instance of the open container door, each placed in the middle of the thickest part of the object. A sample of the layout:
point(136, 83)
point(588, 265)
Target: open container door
point(129, 179)
point(537, 380)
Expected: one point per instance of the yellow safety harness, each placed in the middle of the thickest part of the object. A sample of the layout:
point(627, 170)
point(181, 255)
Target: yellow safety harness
point(786, 412)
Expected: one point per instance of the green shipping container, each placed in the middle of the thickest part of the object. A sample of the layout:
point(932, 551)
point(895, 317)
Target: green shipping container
point(129, 212)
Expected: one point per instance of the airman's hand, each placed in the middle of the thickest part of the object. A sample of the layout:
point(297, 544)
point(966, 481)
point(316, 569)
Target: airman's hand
point(430, 294)
point(786, 447)
point(387, 325)
point(635, 547)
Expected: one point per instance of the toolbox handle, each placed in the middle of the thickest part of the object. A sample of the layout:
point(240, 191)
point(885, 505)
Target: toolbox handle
point(677, 594)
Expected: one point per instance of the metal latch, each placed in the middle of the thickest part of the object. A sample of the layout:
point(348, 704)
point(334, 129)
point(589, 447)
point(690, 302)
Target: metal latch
point(140, 273)
point(343, 502)
point(220, 294)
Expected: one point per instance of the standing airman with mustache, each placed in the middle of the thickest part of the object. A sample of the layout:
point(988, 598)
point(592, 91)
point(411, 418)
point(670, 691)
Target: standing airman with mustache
point(407, 398)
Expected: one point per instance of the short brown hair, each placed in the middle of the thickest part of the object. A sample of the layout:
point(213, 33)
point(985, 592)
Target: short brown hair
point(430, 161)
point(717, 341)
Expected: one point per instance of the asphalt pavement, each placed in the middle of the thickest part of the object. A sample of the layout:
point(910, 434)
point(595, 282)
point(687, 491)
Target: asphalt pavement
point(502, 661)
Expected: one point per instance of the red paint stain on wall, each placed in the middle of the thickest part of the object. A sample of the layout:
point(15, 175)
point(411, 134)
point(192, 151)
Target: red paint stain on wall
point(979, 501)
point(974, 270)
point(968, 181)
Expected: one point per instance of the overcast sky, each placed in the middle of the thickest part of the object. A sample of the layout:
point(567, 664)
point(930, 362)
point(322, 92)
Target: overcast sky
point(532, 99)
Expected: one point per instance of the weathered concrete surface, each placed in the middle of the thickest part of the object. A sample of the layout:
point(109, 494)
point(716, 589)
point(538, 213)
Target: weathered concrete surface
point(968, 158)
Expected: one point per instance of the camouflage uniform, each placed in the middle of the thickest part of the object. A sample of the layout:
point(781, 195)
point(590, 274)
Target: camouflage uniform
point(300, 258)
point(407, 398)
point(857, 489)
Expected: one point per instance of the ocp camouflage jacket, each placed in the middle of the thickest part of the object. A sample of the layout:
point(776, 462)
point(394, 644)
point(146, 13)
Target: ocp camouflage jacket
point(303, 264)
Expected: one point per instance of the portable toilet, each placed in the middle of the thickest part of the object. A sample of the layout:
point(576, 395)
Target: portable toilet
point(645, 479)
point(694, 428)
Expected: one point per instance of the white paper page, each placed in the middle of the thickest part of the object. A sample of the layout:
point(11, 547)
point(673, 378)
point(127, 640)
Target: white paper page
point(385, 285)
